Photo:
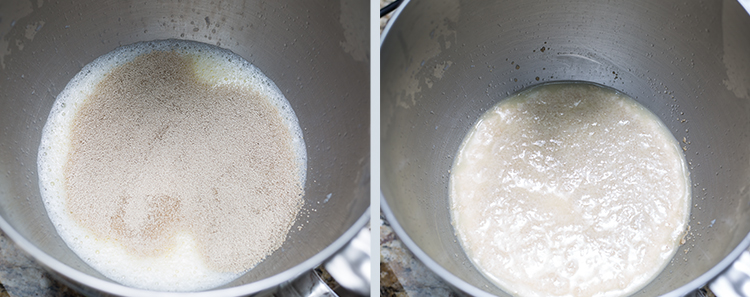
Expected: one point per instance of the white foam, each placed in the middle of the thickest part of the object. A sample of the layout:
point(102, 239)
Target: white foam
point(181, 268)
point(570, 190)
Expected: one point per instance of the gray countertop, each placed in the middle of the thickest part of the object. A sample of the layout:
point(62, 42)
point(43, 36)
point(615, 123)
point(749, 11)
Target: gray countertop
point(22, 276)
point(401, 274)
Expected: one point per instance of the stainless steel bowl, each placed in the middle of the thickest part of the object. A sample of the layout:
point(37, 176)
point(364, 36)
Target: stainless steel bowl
point(315, 51)
point(445, 62)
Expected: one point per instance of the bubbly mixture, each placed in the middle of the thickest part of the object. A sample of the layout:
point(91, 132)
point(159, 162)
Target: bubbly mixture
point(172, 165)
point(570, 189)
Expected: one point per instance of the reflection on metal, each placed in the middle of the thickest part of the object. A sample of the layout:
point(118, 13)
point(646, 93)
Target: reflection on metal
point(307, 285)
point(735, 282)
point(351, 266)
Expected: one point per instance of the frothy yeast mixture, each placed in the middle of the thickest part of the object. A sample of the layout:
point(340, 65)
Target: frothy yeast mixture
point(172, 165)
point(569, 189)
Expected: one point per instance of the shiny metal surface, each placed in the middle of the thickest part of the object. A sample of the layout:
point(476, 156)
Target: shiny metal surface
point(351, 266)
point(735, 281)
point(308, 285)
point(315, 51)
point(445, 62)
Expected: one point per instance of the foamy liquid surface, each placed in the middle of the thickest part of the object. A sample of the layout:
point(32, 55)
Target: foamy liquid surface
point(569, 190)
point(182, 264)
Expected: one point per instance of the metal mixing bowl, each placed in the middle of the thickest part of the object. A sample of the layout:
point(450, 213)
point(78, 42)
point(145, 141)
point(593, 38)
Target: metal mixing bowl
point(315, 51)
point(445, 62)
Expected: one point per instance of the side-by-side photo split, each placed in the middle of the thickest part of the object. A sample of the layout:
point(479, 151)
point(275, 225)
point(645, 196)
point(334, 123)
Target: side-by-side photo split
point(394, 148)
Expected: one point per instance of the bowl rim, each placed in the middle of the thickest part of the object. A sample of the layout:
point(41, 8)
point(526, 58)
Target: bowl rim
point(465, 287)
point(111, 287)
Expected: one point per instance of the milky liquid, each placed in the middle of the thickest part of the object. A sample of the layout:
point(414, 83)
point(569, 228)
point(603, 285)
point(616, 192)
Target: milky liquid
point(183, 256)
point(569, 190)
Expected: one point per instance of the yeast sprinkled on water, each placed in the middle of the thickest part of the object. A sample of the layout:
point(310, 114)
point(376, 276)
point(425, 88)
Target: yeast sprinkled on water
point(172, 165)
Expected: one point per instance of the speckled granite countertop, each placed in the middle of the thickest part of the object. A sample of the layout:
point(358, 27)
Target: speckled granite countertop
point(21, 276)
point(401, 274)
